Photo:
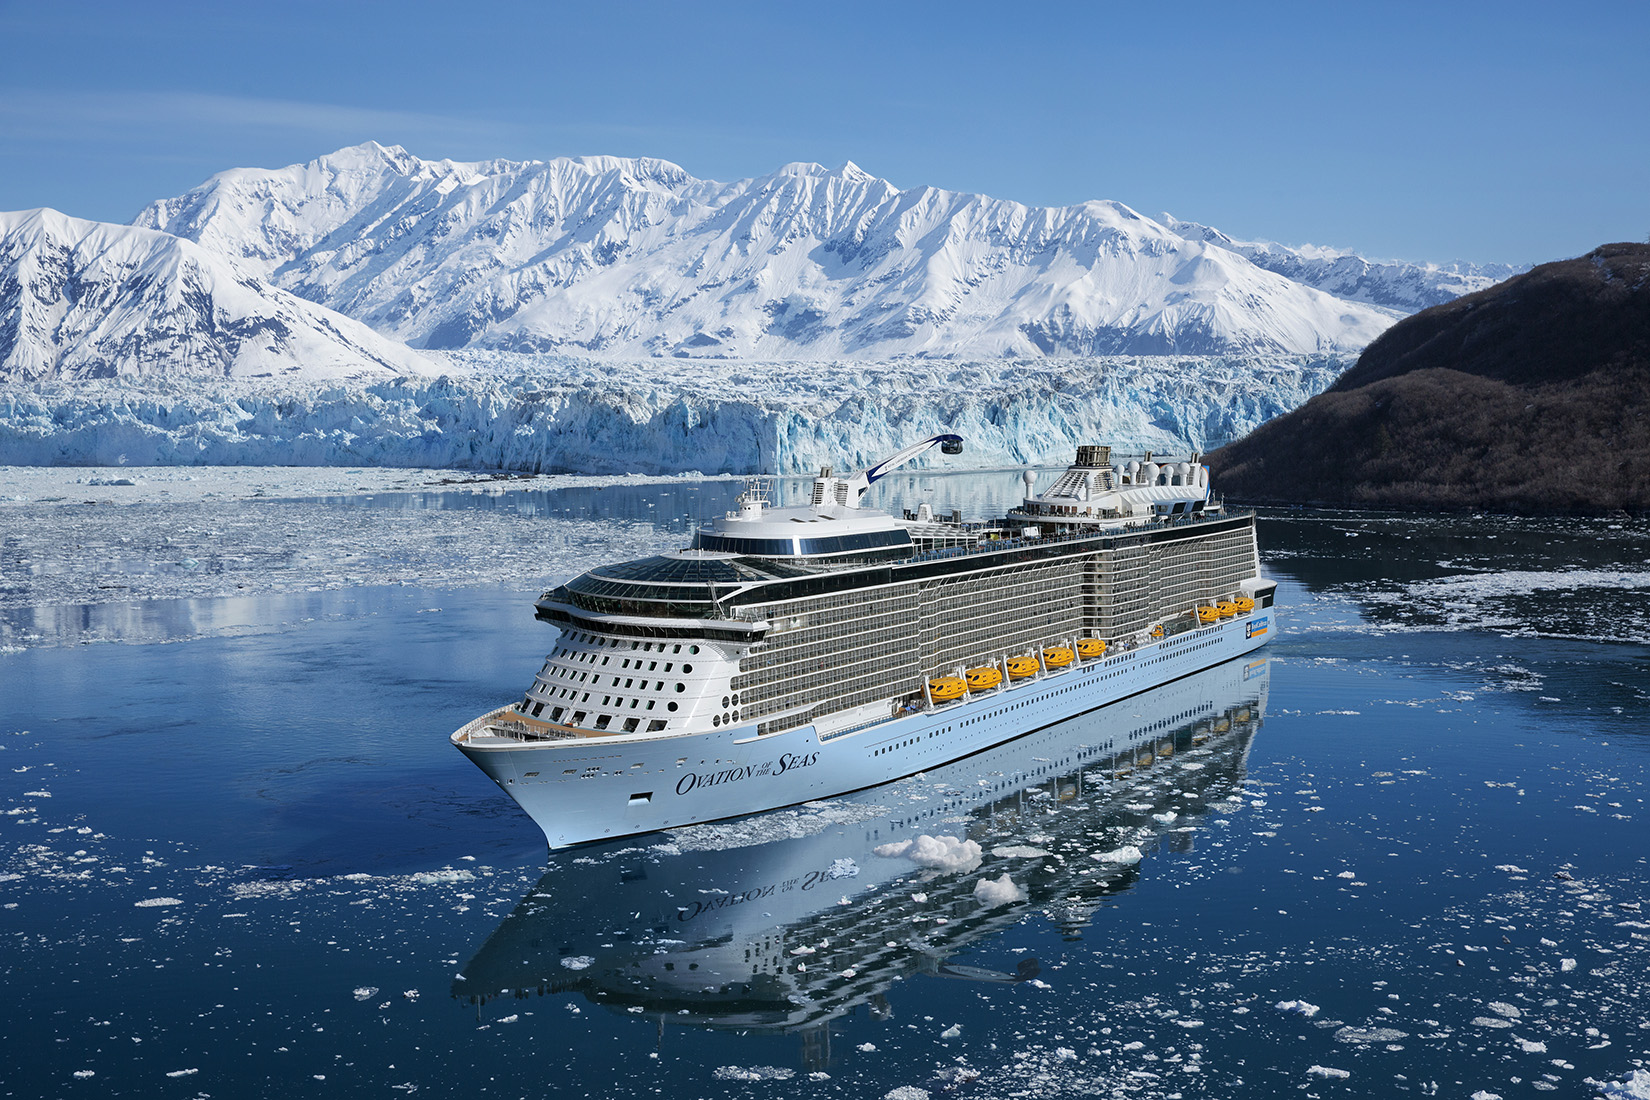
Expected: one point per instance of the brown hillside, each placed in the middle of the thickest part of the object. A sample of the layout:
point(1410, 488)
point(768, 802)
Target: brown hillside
point(1532, 396)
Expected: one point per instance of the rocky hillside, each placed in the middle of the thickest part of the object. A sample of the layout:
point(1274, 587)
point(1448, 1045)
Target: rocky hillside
point(1532, 397)
point(81, 299)
point(624, 257)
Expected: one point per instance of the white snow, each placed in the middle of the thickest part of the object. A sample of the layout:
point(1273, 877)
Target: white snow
point(1635, 1087)
point(635, 257)
point(88, 299)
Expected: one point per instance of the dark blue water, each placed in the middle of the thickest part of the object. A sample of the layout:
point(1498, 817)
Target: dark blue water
point(252, 865)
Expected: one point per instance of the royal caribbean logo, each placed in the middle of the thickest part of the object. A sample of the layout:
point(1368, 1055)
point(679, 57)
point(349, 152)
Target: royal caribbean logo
point(1256, 628)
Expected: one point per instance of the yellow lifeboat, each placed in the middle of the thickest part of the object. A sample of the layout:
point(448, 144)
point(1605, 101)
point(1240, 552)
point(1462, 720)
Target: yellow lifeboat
point(1090, 648)
point(943, 689)
point(1244, 604)
point(1226, 608)
point(1208, 615)
point(1057, 656)
point(983, 679)
point(1157, 631)
point(1021, 668)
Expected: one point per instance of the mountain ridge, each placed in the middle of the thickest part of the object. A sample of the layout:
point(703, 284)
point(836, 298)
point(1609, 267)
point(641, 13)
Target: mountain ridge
point(83, 299)
point(635, 257)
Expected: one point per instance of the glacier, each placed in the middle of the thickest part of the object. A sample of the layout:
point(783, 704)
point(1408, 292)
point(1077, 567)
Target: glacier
point(546, 414)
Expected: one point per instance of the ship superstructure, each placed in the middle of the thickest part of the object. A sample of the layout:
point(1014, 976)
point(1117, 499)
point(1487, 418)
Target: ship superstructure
point(798, 652)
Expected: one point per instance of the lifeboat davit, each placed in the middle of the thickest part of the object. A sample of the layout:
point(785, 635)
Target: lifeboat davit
point(943, 689)
point(1226, 608)
point(1208, 615)
point(1057, 656)
point(1090, 648)
point(1244, 604)
point(1022, 668)
point(983, 679)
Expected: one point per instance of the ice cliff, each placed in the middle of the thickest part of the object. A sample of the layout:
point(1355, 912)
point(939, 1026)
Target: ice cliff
point(532, 413)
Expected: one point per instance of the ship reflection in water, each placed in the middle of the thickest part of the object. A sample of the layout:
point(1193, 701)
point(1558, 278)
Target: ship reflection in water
point(785, 920)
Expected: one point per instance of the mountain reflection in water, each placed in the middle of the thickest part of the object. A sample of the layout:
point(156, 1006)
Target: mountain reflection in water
point(784, 920)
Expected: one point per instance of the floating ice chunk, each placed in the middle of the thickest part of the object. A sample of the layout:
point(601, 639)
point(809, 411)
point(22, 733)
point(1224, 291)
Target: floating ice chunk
point(365, 992)
point(803, 950)
point(1017, 851)
point(1165, 817)
point(510, 1019)
point(1300, 1008)
point(1486, 1094)
point(1346, 874)
point(577, 962)
point(866, 1048)
point(1566, 965)
point(1126, 854)
point(943, 853)
point(842, 868)
point(1511, 868)
point(1530, 1046)
point(1064, 1054)
point(152, 903)
point(410, 994)
point(753, 1073)
point(906, 1092)
point(1490, 1021)
point(1502, 1008)
point(1370, 1035)
point(85, 1073)
point(919, 898)
point(182, 1072)
point(999, 891)
point(951, 1032)
point(1636, 1087)
point(1326, 1071)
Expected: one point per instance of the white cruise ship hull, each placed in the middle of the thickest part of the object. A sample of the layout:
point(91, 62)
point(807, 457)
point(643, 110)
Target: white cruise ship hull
point(602, 787)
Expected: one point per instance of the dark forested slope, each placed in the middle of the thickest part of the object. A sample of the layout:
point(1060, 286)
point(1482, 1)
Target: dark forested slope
point(1531, 396)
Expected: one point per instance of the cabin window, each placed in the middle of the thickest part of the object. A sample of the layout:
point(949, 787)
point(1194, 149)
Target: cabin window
point(630, 725)
point(578, 718)
point(602, 720)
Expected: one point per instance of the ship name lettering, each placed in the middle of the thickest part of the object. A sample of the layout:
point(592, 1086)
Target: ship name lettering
point(700, 908)
point(792, 761)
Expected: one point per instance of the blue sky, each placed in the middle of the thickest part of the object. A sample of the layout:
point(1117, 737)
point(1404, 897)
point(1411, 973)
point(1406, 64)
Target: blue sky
point(1486, 132)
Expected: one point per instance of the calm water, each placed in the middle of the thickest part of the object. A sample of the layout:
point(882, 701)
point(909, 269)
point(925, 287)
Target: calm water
point(241, 858)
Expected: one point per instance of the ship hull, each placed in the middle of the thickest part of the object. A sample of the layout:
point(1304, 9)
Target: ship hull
point(600, 788)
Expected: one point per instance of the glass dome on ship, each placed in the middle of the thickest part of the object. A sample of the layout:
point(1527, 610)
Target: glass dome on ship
point(795, 653)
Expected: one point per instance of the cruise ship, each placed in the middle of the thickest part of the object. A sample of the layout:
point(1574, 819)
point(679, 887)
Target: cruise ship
point(799, 653)
point(790, 920)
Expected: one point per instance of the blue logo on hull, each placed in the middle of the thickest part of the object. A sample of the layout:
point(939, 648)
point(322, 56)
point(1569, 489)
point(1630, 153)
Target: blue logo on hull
point(1256, 628)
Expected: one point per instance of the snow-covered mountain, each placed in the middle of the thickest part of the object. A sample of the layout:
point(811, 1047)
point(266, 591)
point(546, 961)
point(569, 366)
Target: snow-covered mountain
point(1392, 284)
point(634, 257)
point(82, 299)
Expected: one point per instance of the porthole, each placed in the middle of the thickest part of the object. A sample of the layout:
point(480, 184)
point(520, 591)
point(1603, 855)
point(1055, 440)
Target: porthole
point(716, 719)
point(670, 706)
point(687, 669)
point(693, 649)
point(724, 700)
point(681, 687)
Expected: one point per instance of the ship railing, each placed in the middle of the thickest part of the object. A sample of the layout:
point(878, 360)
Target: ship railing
point(991, 546)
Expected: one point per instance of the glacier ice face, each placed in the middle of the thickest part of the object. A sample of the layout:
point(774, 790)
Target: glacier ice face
point(82, 299)
point(634, 257)
point(544, 414)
